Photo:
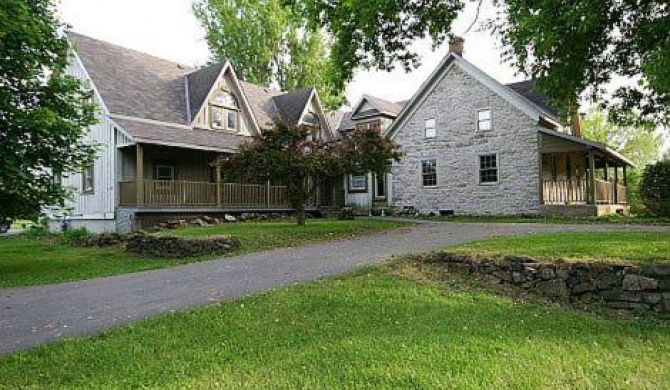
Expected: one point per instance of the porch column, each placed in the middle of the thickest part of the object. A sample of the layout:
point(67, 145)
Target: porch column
point(616, 184)
point(139, 174)
point(591, 196)
point(218, 185)
point(625, 182)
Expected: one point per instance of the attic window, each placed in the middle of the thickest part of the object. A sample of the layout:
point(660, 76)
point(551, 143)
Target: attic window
point(224, 111)
point(310, 118)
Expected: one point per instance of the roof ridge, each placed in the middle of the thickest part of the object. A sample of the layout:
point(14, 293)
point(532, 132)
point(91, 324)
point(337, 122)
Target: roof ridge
point(179, 65)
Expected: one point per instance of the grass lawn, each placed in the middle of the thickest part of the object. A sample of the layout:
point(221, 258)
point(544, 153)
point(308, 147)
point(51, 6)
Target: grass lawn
point(38, 261)
point(372, 329)
point(634, 247)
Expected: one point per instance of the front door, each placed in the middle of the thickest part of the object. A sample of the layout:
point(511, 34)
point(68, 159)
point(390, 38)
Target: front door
point(380, 186)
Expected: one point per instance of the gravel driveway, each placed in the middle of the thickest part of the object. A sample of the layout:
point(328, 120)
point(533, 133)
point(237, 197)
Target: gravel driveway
point(40, 314)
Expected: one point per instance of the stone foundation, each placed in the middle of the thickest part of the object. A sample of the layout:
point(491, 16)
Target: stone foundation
point(625, 287)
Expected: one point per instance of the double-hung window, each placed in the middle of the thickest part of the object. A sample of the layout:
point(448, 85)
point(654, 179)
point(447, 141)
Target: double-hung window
point(484, 120)
point(358, 183)
point(224, 111)
point(429, 173)
point(488, 169)
point(430, 130)
point(88, 179)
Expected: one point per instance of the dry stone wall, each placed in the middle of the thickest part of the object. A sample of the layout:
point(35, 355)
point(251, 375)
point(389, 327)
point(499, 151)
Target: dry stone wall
point(617, 286)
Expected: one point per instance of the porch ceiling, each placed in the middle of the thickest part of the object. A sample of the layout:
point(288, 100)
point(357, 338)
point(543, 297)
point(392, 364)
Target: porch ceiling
point(554, 141)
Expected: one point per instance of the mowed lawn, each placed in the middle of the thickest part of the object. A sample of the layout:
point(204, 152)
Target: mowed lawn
point(372, 329)
point(631, 247)
point(26, 262)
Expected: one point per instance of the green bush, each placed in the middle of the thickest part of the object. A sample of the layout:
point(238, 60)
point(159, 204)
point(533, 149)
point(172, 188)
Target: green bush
point(75, 234)
point(655, 188)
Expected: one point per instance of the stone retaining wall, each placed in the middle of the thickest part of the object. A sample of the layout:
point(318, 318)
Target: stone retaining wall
point(165, 247)
point(622, 286)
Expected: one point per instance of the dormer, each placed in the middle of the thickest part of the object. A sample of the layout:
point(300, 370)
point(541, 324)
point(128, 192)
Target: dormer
point(302, 108)
point(372, 113)
point(217, 102)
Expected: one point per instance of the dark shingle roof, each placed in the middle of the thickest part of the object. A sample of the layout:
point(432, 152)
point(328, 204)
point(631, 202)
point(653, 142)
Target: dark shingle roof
point(199, 84)
point(385, 106)
point(164, 134)
point(262, 105)
point(291, 105)
point(133, 83)
point(526, 89)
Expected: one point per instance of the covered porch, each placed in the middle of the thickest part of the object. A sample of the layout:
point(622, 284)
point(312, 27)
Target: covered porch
point(166, 178)
point(581, 177)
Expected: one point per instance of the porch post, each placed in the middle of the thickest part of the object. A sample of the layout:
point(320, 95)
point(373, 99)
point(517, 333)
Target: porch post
point(625, 182)
point(267, 194)
point(592, 179)
point(218, 185)
point(139, 174)
point(616, 184)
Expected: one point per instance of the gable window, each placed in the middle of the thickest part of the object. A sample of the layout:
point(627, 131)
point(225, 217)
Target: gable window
point(311, 119)
point(358, 183)
point(430, 131)
point(372, 126)
point(224, 111)
point(88, 180)
point(484, 120)
point(488, 169)
point(429, 173)
point(164, 172)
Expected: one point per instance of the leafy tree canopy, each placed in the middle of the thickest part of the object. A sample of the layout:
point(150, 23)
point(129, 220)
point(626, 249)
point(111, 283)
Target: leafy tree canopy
point(572, 48)
point(578, 46)
point(270, 44)
point(43, 113)
point(292, 156)
point(642, 146)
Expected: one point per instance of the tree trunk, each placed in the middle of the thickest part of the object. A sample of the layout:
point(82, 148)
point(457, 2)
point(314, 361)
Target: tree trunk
point(300, 215)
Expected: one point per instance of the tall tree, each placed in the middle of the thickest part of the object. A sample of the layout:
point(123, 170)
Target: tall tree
point(577, 47)
point(302, 164)
point(270, 44)
point(639, 144)
point(43, 113)
point(571, 47)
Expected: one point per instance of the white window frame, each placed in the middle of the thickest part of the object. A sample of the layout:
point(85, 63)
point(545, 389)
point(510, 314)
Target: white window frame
point(358, 188)
point(480, 169)
point(488, 120)
point(88, 173)
point(423, 174)
point(426, 128)
point(225, 111)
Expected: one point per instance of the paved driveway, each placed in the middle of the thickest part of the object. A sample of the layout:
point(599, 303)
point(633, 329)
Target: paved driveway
point(34, 315)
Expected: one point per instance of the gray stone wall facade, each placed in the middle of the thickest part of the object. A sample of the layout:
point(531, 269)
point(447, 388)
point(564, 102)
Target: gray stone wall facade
point(514, 139)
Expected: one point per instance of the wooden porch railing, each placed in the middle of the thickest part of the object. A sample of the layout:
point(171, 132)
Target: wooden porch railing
point(173, 193)
point(576, 192)
point(564, 191)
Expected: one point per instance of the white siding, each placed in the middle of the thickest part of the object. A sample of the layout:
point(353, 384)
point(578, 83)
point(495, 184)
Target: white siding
point(101, 203)
point(202, 120)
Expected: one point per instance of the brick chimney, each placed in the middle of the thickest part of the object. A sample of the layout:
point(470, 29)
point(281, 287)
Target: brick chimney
point(456, 45)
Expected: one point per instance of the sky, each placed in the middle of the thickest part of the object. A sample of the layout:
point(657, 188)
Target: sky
point(168, 29)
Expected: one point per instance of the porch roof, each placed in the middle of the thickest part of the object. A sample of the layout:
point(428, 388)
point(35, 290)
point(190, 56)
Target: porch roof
point(613, 154)
point(158, 133)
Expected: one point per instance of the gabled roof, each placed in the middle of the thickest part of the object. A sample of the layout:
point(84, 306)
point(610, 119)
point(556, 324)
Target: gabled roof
point(382, 107)
point(133, 83)
point(532, 110)
point(199, 84)
point(527, 89)
point(291, 105)
point(262, 105)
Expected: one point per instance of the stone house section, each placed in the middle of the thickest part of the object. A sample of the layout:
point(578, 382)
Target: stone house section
point(457, 147)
